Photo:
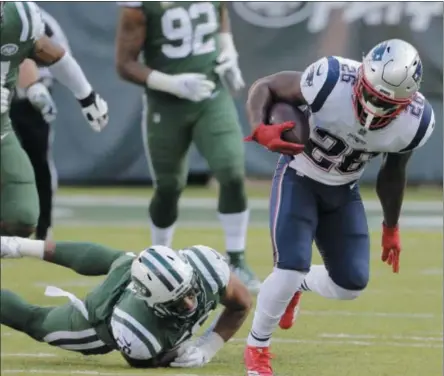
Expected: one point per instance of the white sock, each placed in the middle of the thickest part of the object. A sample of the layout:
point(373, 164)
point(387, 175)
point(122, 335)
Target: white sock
point(162, 236)
point(235, 229)
point(31, 247)
point(275, 294)
point(318, 281)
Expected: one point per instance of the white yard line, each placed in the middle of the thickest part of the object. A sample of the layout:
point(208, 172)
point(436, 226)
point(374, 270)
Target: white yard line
point(28, 355)
point(351, 343)
point(254, 203)
point(376, 337)
point(391, 315)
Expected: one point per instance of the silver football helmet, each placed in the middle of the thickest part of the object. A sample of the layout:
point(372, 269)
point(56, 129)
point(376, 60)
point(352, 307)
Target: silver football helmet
point(166, 281)
point(388, 78)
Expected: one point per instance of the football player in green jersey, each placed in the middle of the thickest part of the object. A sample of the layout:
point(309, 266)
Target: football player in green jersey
point(148, 307)
point(189, 67)
point(22, 36)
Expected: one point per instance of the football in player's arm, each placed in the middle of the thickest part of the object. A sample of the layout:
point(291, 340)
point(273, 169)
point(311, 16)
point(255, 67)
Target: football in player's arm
point(296, 88)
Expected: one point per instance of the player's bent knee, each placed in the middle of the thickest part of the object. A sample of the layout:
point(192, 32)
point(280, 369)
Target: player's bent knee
point(353, 282)
point(169, 188)
point(230, 176)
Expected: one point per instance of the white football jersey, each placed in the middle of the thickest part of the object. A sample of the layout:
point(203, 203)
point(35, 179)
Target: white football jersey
point(339, 146)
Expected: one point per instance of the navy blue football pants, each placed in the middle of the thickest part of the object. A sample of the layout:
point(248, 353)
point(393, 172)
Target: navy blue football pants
point(303, 210)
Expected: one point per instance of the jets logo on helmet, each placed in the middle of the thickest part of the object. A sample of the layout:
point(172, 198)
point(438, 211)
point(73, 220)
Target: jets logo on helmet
point(165, 281)
point(388, 79)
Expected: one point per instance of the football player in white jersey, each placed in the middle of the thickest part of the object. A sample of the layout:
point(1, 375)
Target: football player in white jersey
point(358, 110)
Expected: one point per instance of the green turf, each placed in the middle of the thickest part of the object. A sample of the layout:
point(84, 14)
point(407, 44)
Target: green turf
point(393, 329)
point(254, 190)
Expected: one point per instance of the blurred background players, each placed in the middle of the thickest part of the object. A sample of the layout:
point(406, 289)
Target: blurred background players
point(31, 115)
point(23, 36)
point(188, 51)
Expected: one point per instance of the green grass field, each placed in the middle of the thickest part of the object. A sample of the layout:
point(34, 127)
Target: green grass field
point(394, 328)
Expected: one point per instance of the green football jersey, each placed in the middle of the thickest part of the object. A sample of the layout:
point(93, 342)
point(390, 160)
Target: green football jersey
point(21, 26)
point(126, 323)
point(181, 37)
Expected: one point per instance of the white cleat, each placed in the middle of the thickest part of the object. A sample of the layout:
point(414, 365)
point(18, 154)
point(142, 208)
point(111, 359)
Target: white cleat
point(10, 247)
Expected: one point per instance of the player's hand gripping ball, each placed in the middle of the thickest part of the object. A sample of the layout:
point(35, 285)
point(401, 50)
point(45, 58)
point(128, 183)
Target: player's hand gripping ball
point(286, 131)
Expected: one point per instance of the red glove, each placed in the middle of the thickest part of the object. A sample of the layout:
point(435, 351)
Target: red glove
point(391, 246)
point(270, 137)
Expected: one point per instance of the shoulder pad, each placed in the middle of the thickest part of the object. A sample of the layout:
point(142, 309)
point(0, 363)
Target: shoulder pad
point(319, 80)
point(33, 27)
point(132, 338)
point(424, 127)
point(210, 264)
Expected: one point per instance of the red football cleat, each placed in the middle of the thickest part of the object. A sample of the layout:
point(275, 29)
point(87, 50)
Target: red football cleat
point(289, 316)
point(258, 361)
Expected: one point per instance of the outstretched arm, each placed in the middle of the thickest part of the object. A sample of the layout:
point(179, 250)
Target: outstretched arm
point(63, 66)
point(390, 185)
point(390, 189)
point(237, 301)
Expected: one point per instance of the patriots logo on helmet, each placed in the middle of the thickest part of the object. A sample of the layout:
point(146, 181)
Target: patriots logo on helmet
point(417, 76)
point(378, 51)
point(310, 76)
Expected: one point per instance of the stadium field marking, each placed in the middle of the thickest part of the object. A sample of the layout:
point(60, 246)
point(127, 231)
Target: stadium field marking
point(371, 336)
point(425, 224)
point(87, 282)
point(28, 355)
point(349, 340)
point(351, 343)
point(188, 202)
point(392, 315)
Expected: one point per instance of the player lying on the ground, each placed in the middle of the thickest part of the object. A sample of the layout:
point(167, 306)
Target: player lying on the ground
point(358, 110)
point(148, 307)
point(22, 37)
